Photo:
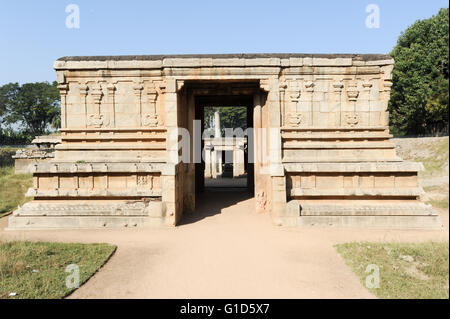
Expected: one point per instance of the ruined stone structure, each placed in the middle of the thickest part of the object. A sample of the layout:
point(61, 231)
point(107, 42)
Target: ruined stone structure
point(215, 147)
point(42, 150)
point(326, 158)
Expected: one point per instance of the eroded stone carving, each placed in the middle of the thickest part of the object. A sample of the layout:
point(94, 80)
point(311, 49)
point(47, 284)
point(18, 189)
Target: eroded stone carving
point(352, 119)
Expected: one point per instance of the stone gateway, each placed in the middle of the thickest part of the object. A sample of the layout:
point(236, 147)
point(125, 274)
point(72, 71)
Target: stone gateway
point(322, 151)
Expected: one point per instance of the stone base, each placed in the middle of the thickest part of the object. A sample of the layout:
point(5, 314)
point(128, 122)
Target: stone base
point(87, 214)
point(389, 215)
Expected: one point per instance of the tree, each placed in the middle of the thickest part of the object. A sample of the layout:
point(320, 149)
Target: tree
point(8, 92)
point(230, 117)
point(33, 106)
point(419, 96)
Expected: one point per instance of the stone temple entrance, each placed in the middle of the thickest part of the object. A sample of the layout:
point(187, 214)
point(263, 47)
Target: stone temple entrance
point(323, 154)
point(225, 160)
point(194, 97)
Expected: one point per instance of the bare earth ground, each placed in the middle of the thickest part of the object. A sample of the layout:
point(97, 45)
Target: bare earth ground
point(229, 251)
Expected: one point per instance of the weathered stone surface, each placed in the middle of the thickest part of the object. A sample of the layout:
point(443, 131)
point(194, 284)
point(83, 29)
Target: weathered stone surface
point(42, 150)
point(323, 153)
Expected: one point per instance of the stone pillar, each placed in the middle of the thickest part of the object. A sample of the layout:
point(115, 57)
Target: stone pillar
point(213, 164)
point(217, 132)
point(63, 89)
point(277, 189)
point(238, 158)
point(219, 162)
point(208, 167)
point(168, 176)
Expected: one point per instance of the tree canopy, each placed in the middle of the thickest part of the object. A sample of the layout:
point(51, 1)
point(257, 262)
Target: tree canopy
point(31, 109)
point(419, 96)
point(230, 117)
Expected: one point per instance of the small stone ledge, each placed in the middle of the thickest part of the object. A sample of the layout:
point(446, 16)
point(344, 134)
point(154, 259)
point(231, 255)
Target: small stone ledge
point(125, 208)
point(81, 222)
point(67, 167)
point(91, 214)
point(109, 146)
point(359, 192)
point(380, 209)
point(339, 135)
point(312, 129)
point(354, 167)
point(401, 215)
point(129, 192)
point(337, 145)
point(372, 222)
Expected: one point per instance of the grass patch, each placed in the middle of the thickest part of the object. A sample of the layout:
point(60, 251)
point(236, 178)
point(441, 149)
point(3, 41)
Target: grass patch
point(407, 270)
point(439, 156)
point(439, 203)
point(434, 188)
point(12, 189)
point(37, 269)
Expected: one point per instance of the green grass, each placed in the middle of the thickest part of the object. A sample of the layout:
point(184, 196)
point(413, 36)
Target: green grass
point(37, 269)
point(12, 189)
point(424, 277)
point(439, 203)
point(439, 156)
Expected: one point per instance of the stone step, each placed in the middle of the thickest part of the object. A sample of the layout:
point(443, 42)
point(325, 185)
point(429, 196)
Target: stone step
point(80, 222)
point(382, 222)
point(391, 192)
point(95, 208)
point(375, 214)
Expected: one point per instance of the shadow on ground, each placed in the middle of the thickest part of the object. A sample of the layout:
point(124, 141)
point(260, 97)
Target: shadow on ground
point(212, 201)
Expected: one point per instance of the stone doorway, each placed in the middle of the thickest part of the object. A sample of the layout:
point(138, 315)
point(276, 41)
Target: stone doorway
point(194, 97)
point(226, 151)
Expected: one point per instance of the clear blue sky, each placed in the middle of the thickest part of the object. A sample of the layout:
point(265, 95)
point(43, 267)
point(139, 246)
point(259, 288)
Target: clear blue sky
point(33, 33)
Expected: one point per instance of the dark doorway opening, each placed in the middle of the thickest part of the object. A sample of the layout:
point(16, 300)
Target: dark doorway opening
point(226, 165)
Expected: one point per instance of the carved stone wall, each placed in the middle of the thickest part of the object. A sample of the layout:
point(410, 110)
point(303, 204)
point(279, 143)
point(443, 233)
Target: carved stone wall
point(328, 159)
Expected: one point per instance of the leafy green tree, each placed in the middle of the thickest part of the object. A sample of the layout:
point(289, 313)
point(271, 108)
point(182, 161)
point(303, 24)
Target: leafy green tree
point(33, 106)
point(8, 92)
point(419, 96)
point(230, 117)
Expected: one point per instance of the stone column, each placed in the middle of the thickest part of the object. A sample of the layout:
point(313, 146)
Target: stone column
point(213, 163)
point(217, 132)
point(337, 89)
point(63, 88)
point(110, 94)
point(83, 89)
point(168, 176)
point(277, 191)
point(208, 169)
point(238, 158)
point(219, 162)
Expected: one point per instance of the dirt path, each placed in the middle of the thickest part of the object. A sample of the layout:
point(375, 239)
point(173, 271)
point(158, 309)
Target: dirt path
point(226, 251)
